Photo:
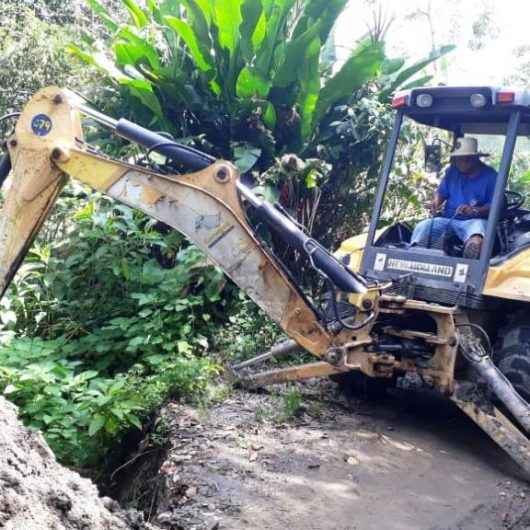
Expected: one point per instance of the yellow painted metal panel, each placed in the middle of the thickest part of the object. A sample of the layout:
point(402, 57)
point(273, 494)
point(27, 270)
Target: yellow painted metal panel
point(510, 279)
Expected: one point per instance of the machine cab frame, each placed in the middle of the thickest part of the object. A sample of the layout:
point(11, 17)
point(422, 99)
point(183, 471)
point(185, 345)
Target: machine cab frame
point(427, 273)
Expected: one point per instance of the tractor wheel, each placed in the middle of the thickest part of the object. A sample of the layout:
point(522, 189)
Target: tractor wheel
point(513, 353)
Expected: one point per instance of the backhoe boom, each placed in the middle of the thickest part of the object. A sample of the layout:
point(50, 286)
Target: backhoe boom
point(204, 206)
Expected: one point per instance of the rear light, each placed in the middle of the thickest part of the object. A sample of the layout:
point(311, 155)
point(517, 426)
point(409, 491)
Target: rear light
point(505, 97)
point(399, 101)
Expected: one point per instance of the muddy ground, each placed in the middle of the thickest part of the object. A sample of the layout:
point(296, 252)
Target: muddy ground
point(397, 464)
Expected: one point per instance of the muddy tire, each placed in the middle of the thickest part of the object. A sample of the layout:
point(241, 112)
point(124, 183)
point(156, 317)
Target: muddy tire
point(513, 354)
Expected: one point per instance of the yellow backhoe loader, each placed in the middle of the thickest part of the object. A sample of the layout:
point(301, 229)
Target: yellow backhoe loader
point(411, 316)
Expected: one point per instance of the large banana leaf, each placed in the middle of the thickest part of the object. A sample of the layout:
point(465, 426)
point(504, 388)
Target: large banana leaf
point(137, 15)
point(309, 87)
point(228, 19)
point(403, 75)
point(189, 37)
point(276, 13)
point(251, 84)
point(240, 60)
point(143, 90)
point(251, 12)
point(362, 67)
point(103, 14)
point(325, 12)
point(295, 54)
point(199, 18)
point(391, 66)
point(99, 60)
point(140, 48)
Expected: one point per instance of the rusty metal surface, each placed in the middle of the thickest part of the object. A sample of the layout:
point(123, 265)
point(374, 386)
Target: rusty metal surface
point(205, 207)
point(497, 426)
point(278, 350)
point(292, 373)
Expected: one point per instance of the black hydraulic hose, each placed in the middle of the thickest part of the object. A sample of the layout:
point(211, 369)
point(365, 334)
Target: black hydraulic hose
point(287, 230)
point(5, 167)
point(189, 157)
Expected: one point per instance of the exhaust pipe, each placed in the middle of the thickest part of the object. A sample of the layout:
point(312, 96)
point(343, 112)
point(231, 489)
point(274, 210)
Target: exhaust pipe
point(482, 363)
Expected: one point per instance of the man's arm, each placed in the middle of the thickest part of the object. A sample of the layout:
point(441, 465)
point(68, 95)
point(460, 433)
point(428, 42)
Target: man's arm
point(441, 194)
point(437, 202)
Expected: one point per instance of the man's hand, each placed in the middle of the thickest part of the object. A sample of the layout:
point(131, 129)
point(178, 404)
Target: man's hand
point(467, 210)
point(434, 208)
point(436, 204)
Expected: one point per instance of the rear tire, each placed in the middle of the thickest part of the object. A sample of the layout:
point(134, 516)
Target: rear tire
point(513, 353)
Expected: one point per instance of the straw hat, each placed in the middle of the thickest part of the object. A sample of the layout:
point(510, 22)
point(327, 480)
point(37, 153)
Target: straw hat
point(467, 146)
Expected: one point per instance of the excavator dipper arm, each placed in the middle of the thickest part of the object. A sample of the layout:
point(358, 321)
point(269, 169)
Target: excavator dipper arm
point(204, 205)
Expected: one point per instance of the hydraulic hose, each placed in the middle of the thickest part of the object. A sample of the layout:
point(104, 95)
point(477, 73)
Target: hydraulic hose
point(481, 362)
point(5, 167)
point(289, 232)
point(286, 229)
point(191, 158)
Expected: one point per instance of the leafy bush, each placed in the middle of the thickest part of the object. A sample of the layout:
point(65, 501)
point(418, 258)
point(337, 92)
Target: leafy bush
point(248, 332)
point(81, 412)
point(110, 333)
point(33, 56)
point(234, 72)
point(103, 270)
point(254, 81)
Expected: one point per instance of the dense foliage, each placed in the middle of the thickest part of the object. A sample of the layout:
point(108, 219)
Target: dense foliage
point(112, 313)
point(110, 332)
point(256, 82)
point(243, 75)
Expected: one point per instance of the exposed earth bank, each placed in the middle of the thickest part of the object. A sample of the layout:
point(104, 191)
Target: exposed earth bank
point(300, 460)
point(36, 493)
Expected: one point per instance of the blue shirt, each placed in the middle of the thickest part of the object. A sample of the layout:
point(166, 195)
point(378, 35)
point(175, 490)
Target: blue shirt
point(458, 189)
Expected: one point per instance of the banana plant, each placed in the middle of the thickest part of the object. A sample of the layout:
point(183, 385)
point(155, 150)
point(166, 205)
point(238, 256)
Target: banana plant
point(216, 65)
point(396, 75)
point(251, 81)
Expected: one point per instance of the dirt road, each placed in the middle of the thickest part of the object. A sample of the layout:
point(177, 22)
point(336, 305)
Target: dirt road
point(375, 466)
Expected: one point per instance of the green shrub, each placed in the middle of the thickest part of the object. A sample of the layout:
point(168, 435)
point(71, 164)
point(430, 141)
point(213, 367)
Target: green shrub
point(105, 334)
point(292, 402)
point(33, 56)
point(248, 332)
point(80, 412)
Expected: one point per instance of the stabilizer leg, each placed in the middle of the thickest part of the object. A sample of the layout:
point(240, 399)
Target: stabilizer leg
point(498, 427)
point(292, 373)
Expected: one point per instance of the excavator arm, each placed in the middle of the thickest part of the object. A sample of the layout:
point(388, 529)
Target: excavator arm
point(205, 205)
point(208, 203)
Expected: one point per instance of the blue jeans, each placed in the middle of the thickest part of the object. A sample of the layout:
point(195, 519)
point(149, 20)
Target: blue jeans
point(433, 230)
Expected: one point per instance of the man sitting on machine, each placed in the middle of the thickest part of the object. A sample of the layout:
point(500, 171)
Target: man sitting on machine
point(467, 191)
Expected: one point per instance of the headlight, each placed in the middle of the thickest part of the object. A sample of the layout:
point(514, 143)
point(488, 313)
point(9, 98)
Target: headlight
point(424, 100)
point(478, 100)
